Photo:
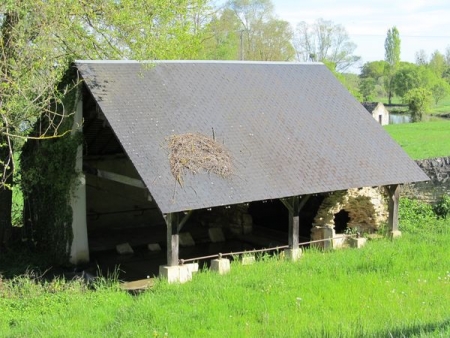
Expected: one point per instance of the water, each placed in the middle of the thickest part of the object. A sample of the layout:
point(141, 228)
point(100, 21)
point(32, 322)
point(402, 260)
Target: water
point(406, 118)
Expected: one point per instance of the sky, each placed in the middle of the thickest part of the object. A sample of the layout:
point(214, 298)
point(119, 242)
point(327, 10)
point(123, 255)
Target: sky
point(422, 24)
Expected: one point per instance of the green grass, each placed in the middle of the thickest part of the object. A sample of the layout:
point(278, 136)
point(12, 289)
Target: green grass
point(443, 106)
point(397, 288)
point(424, 139)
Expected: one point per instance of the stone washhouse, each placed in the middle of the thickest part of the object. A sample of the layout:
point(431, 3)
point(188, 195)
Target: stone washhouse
point(295, 138)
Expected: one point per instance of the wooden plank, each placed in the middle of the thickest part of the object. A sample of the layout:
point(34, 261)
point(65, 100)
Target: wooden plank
point(173, 240)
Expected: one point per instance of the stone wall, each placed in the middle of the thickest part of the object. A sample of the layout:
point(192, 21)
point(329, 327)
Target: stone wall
point(438, 170)
point(341, 200)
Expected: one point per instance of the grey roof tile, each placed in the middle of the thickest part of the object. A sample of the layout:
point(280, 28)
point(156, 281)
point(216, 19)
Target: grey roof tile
point(292, 129)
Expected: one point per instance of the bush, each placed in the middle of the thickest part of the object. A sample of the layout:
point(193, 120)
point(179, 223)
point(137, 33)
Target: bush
point(442, 208)
point(414, 215)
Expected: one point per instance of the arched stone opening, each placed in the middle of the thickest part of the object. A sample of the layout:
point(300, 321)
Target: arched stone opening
point(341, 220)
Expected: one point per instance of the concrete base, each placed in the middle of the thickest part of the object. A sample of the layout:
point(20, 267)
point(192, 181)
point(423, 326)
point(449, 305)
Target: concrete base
point(248, 260)
point(357, 242)
point(293, 254)
point(395, 234)
point(192, 267)
point(222, 265)
point(338, 241)
point(176, 274)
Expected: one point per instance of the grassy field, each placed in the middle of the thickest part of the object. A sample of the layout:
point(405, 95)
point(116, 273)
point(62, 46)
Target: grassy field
point(397, 288)
point(422, 140)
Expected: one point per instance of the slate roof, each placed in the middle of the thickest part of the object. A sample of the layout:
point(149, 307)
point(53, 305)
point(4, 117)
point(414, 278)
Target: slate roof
point(291, 128)
point(371, 106)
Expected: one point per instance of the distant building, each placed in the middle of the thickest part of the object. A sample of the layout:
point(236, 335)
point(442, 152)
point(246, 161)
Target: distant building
point(378, 111)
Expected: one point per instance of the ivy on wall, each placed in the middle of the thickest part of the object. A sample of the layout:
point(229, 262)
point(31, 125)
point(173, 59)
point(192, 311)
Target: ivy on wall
point(48, 177)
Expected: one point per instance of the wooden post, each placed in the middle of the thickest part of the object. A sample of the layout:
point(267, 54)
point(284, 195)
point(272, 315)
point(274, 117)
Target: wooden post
point(294, 205)
point(294, 223)
point(393, 192)
point(172, 239)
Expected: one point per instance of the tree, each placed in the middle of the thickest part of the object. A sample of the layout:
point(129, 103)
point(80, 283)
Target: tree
point(367, 88)
point(40, 38)
point(437, 63)
point(223, 37)
point(421, 58)
point(374, 69)
point(261, 35)
point(440, 89)
point(324, 40)
point(392, 58)
point(418, 101)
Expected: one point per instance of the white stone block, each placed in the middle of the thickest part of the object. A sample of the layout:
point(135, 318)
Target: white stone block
point(216, 235)
point(248, 260)
point(124, 249)
point(186, 239)
point(192, 267)
point(293, 254)
point(357, 242)
point(175, 274)
point(396, 233)
point(154, 247)
point(221, 265)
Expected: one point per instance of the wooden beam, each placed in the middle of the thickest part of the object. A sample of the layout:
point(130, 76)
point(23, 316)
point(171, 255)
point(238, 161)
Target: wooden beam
point(294, 205)
point(184, 220)
point(393, 194)
point(107, 175)
point(172, 221)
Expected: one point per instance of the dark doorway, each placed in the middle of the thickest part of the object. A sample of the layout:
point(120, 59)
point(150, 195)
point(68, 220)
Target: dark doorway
point(341, 220)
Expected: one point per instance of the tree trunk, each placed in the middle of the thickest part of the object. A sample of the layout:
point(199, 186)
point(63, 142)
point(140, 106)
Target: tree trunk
point(5, 200)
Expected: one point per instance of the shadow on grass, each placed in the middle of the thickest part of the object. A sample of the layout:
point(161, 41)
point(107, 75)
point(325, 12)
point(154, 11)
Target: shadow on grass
point(424, 330)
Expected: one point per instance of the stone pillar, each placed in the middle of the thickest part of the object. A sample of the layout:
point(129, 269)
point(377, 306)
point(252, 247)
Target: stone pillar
point(79, 252)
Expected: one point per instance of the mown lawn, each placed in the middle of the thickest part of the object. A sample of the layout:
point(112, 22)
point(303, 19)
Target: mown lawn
point(424, 139)
point(398, 288)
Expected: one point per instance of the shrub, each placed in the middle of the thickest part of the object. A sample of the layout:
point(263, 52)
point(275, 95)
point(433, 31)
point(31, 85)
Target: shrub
point(442, 207)
point(414, 214)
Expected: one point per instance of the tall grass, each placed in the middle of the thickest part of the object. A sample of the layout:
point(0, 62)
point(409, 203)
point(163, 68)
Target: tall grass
point(389, 288)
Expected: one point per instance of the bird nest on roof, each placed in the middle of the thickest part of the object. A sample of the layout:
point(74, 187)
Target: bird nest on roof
point(194, 152)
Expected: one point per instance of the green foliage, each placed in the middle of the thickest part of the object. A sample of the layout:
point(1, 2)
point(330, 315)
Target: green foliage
point(48, 177)
point(367, 89)
point(247, 30)
point(414, 215)
point(392, 58)
point(374, 70)
point(440, 89)
point(442, 207)
point(423, 139)
point(418, 101)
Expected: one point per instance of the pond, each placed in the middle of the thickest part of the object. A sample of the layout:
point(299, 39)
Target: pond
point(395, 118)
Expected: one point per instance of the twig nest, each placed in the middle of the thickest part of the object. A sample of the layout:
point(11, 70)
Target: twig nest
point(195, 152)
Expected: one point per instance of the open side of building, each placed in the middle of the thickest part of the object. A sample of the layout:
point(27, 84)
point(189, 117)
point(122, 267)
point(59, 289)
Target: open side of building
point(291, 130)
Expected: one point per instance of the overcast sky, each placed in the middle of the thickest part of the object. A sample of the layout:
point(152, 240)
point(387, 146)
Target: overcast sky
point(422, 24)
